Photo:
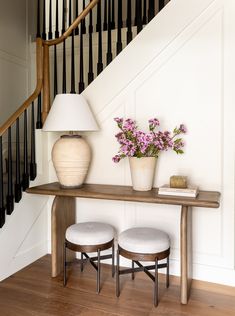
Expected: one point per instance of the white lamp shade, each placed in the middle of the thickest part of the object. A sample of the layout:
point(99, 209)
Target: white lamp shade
point(70, 112)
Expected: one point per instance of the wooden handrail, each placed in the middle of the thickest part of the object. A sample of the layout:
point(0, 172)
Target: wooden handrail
point(73, 26)
point(34, 95)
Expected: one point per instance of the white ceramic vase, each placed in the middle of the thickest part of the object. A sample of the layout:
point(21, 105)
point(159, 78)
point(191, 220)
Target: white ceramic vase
point(142, 172)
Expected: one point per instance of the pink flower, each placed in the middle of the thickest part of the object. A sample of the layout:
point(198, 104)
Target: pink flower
point(118, 120)
point(116, 158)
point(129, 125)
point(183, 128)
point(153, 123)
point(120, 137)
point(137, 143)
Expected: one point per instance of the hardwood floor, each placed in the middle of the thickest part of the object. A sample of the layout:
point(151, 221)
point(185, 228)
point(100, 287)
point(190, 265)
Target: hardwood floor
point(32, 292)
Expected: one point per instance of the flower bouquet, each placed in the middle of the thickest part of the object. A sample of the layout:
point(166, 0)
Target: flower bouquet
point(137, 144)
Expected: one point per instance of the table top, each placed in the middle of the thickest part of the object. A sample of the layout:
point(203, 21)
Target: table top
point(126, 193)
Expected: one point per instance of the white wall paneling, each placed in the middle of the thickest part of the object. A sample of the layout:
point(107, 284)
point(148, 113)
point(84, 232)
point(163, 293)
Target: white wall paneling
point(181, 69)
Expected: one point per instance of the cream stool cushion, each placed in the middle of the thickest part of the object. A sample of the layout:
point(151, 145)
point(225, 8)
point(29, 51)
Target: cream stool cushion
point(89, 233)
point(144, 240)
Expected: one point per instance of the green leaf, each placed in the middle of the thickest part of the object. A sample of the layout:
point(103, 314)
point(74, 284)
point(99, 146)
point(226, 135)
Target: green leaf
point(178, 140)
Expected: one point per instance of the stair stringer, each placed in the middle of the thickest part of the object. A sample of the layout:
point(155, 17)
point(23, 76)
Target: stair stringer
point(120, 91)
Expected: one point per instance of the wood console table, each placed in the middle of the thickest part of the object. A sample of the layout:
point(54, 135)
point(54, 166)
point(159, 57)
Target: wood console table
point(63, 215)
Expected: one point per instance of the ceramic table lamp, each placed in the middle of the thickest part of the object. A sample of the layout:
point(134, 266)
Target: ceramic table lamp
point(71, 154)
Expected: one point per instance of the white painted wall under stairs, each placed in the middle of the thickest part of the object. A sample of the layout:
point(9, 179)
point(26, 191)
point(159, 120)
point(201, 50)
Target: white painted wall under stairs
point(180, 68)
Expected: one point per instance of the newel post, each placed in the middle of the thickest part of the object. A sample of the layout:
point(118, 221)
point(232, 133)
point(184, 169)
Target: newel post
point(46, 82)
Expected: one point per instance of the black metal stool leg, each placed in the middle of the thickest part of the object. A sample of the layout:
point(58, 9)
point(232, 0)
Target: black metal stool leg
point(81, 261)
point(167, 272)
point(117, 276)
point(156, 284)
point(113, 265)
point(133, 273)
point(65, 264)
point(98, 272)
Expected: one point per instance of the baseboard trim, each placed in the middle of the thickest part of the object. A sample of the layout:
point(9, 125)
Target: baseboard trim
point(199, 285)
point(213, 287)
point(203, 285)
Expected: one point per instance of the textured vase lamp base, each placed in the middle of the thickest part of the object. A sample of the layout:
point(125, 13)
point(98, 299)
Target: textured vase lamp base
point(71, 156)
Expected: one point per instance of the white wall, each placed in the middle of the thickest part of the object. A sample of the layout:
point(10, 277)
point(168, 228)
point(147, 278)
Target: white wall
point(23, 239)
point(180, 69)
point(13, 56)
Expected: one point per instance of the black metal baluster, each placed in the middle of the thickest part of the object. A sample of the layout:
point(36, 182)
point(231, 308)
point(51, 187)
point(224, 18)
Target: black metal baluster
point(161, 4)
point(57, 20)
point(72, 66)
point(33, 165)
point(97, 17)
point(44, 36)
point(81, 85)
point(2, 208)
point(39, 112)
point(72, 52)
point(113, 15)
point(136, 12)
point(129, 22)
point(50, 21)
point(90, 73)
point(38, 19)
point(64, 51)
point(105, 24)
point(70, 13)
point(109, 55)
point(119, 32)
point(145, 12)
point(76, 13)
point(151, 10)
point(139, 21)
point(55, 48)
point(25, 180)
point(10, 196)
point(100, 57)
point(18, 188)
point(64, 68)
point(63, 16)
point(84, 21)
point(55, 72)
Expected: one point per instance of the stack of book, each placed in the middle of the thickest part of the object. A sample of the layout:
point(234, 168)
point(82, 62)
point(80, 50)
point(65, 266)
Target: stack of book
point(190, 191)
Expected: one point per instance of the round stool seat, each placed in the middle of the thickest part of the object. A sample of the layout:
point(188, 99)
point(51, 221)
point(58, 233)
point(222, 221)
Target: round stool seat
point(89, 233)
point(144, 240)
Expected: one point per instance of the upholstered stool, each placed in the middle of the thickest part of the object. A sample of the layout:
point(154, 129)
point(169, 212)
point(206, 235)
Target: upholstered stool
point(144, 244)
point(90, 237)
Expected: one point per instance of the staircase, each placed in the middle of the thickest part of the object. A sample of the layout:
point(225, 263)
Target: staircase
point(180, 67)
point(105, 27)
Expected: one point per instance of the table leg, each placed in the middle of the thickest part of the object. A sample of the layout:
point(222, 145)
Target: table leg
point(62, 216)
point(185, 253)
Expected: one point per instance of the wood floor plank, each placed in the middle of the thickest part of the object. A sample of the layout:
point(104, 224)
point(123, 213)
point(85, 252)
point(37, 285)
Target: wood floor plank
point(32, 292)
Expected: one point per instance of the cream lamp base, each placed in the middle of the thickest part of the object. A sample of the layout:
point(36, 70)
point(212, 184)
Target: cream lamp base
point(71, 156)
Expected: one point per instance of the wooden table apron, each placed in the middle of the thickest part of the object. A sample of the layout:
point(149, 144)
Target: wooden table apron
point(64, 209)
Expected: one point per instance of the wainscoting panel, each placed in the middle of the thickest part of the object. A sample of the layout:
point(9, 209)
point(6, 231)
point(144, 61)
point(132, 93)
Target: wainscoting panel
point(185, 73)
